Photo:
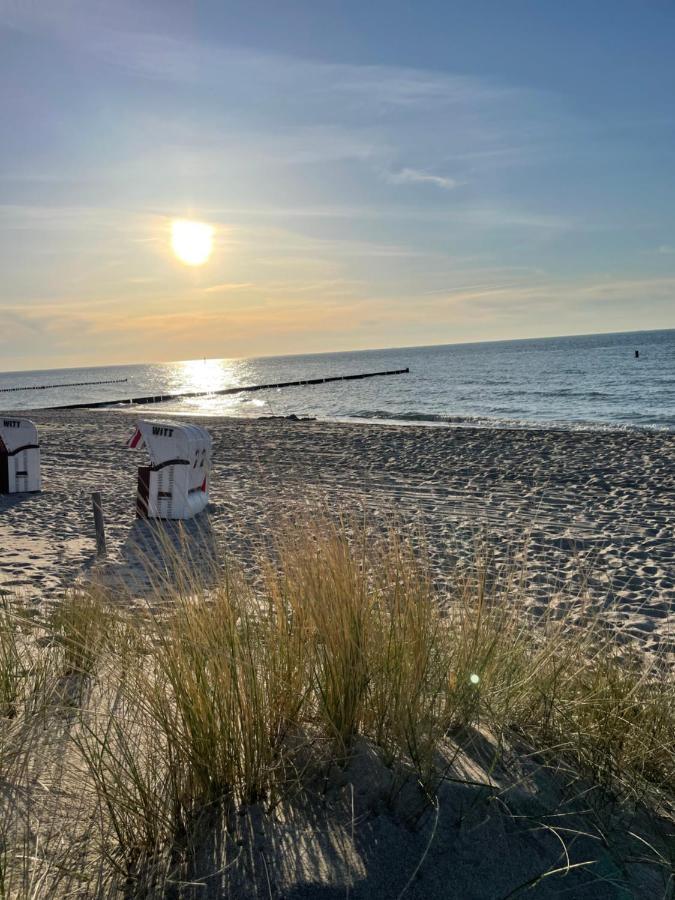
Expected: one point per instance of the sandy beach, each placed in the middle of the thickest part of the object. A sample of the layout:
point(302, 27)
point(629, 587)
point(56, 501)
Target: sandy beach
point(590, 513)
point(586, 515)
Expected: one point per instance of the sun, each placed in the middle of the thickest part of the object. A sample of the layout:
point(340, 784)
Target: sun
point(192, 242)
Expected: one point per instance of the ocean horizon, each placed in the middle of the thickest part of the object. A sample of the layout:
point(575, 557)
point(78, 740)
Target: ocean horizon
point(588, 381)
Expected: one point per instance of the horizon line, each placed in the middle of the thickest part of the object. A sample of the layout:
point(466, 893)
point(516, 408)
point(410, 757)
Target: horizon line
point(162, 362)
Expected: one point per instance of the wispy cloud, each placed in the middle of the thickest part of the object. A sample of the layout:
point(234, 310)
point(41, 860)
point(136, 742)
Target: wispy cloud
point(149, 40)
point(579, 299)
point(254, 115)
point(146, 41)
point(227, 287)
point(416, 176)
point(342, 194)
point(543, 302)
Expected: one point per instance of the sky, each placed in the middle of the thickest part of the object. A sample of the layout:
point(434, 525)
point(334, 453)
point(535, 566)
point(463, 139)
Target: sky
point(376, 174)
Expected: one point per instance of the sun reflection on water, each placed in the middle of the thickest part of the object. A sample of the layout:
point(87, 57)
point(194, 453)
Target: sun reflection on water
point(205, 375)
point(205, 378)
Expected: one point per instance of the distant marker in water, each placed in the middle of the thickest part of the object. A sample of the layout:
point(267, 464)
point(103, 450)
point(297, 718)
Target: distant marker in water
point(637, 354)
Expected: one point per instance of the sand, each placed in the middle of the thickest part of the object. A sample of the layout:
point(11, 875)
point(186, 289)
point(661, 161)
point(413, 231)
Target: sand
point(590, 513)
point(585, 514)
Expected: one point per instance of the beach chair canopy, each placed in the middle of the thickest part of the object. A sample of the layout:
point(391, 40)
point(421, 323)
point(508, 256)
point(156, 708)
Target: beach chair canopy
point(176, 483)
point(169, 443)
point(17, 435)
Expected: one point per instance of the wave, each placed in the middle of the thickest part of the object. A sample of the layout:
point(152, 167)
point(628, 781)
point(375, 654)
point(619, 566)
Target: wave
point(568, 393)
point(467, 421)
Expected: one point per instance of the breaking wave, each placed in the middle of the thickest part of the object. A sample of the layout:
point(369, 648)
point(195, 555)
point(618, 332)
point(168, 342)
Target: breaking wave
point(465, 421)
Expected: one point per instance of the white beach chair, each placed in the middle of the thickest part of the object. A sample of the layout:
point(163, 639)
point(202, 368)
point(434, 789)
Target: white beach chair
point(176, 483)
point(19, 456)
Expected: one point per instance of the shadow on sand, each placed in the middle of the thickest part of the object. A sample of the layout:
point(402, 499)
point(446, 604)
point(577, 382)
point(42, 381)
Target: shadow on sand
point(364, 832)
point(159, 554)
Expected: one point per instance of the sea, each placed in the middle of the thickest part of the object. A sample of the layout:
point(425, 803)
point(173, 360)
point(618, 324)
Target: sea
point(583, 382)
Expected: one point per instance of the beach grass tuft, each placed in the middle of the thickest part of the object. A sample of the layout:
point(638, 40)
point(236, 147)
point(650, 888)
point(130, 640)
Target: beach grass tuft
point(227, 692)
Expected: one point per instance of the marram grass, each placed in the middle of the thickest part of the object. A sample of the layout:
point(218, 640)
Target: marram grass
point(226, 691)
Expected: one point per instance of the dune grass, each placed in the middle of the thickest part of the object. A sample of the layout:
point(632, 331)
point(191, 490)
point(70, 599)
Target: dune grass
point(226, 691)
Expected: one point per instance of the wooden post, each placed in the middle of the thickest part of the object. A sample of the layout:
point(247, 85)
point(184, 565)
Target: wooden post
point(161, 398)
point(99, 525)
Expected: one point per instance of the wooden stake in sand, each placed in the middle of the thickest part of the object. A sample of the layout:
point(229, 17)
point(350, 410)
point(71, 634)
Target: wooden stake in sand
point(99, 525)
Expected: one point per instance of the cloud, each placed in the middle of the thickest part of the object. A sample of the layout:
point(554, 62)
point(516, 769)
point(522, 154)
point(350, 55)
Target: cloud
point(155, 41)
point(147, 40)
point(569, 300)
point(45, 333)
point(16, 325)
point(228, 286)
point(305, 144)
point(415, 176)
point(513, 218)
point(248, 127)
point(665, 250)
point(182, 325)
point(293, 160)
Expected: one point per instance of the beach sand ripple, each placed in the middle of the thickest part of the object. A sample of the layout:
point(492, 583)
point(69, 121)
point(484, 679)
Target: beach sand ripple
point(591, 513)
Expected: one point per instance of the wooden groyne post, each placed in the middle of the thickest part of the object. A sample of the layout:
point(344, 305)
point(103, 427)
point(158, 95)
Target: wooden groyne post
point(162, 398)
point(47, 387)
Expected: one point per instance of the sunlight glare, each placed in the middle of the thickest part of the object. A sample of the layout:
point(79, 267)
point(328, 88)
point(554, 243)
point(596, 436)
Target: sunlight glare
point(192, 242)
point(205, 375)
